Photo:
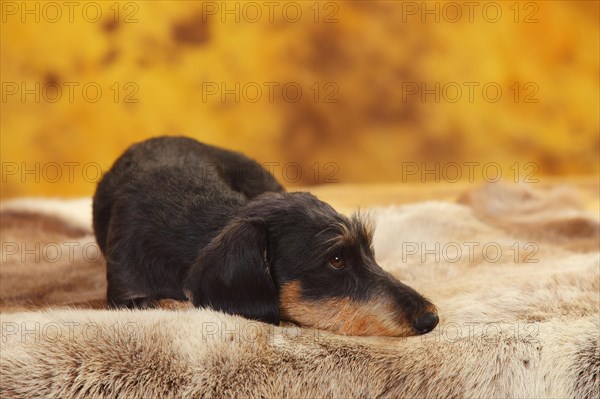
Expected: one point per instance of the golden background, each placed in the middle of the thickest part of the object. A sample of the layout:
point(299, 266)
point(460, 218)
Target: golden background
point(161, 68)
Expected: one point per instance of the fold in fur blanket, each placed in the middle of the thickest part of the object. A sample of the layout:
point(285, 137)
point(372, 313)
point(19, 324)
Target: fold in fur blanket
point(513, 271)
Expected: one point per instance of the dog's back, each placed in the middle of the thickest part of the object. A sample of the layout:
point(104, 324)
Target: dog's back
point(170, 195)
point(212, 167)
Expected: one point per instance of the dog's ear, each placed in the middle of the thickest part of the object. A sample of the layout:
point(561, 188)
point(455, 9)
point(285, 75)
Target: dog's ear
point(232, 274)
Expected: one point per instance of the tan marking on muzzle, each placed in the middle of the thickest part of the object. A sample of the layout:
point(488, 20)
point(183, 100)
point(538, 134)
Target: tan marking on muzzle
point(343, 315)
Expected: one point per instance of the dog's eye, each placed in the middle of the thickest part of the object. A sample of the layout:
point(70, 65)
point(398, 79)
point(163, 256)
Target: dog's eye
point(337, 262)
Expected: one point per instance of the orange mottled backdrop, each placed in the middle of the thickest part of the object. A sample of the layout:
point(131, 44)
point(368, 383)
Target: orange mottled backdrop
point(350, 92)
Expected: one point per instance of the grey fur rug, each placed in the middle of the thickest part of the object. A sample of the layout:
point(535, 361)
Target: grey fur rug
point(513, 271)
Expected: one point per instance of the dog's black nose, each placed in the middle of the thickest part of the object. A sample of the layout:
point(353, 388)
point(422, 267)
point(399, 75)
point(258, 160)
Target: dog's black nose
point(426, 322)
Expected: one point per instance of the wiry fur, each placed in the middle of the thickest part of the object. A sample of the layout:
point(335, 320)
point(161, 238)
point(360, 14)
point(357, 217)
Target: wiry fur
point(177, 218)
point(509, 328)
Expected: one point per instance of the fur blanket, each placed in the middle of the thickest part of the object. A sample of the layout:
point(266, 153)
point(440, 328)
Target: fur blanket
point(514, 273)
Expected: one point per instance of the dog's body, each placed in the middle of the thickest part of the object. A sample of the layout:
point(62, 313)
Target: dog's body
point(153, 201)
point(176, 218)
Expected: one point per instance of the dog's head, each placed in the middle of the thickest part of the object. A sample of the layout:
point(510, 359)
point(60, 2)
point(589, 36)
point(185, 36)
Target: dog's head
point(293, 257)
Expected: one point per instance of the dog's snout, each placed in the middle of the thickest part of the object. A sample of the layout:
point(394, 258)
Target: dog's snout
point(425, 322)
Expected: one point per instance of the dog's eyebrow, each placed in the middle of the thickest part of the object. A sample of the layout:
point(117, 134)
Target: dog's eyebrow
point(348, 231)
point(337, 230)
point(342, 233)
point(363, 223)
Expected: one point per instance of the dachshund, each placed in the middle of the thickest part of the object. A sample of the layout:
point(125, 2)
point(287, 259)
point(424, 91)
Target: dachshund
point(179, 219)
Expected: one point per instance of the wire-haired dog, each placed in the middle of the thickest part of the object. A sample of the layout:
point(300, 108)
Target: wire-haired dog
point(179, 219)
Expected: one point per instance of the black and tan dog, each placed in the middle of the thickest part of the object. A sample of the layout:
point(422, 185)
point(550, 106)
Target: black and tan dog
point(179, 219)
